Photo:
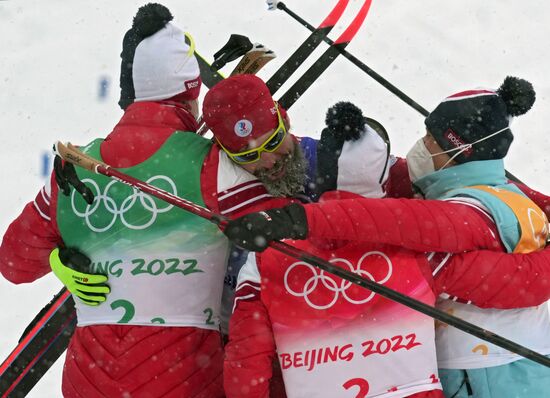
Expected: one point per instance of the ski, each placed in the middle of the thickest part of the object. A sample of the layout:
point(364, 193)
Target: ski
point(326, 59)
point(42, 343)
point(254, 57)
point(371, 72)
point(357, 62)
point(209, 76)
point(253, 60)
point(306, 48)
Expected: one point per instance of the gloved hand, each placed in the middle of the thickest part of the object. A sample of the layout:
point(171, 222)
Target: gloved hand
point(254, 231)
point(271, 4)
point(66, 177)
point(72, 268)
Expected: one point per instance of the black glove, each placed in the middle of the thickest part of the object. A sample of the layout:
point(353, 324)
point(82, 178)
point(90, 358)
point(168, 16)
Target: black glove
point(255, 230)
point(236, 47)
point(66, 177)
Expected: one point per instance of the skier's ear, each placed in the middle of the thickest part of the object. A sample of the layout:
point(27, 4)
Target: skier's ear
point(287, 122)
point(284, 115)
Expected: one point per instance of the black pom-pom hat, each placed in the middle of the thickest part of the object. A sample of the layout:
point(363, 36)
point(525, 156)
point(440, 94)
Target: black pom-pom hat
point(476, 115)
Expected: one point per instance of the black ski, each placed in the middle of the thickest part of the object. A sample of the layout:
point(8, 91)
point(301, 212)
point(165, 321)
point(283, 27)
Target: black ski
point(306, 48)
point(357, 62)
point(369, 71)
point(42, 343)
point(324, 61)
point(209, 76)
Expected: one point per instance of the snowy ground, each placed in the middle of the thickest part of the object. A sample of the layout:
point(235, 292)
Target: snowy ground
point(55, 53)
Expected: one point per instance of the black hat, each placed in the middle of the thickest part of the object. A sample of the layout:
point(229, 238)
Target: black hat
point(352, 154)
point(157, 59)
point(470, 116)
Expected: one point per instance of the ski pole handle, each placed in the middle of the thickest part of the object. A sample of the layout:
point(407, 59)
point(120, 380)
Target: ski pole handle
point(72, 155)
point(272, 4)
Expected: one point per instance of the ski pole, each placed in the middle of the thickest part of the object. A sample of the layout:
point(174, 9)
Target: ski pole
point(369, 71)
point(75, 156)
point(357, 62)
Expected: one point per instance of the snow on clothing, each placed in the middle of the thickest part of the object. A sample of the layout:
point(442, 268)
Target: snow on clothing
point(486, 184)
point(153, 360)
point(432, 225)
point(238, 256)
point(332, 339)
point(396, 186)
point(285, 305)
point(145, 244)
point(458, 353)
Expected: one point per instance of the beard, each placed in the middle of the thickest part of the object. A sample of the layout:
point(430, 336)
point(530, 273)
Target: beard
point(292, 182)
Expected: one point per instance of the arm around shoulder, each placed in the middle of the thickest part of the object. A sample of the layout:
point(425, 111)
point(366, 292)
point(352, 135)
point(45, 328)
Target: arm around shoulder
point(421, 225)
point(497, 280)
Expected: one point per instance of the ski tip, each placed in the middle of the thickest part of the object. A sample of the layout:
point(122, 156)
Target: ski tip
point(334, 15)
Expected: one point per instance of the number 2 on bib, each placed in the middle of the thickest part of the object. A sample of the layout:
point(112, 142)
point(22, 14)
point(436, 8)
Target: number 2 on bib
point(358, 382)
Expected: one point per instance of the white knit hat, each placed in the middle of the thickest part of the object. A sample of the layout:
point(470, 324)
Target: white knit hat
point(158, 59)
point(353, 153)
point(164, 65)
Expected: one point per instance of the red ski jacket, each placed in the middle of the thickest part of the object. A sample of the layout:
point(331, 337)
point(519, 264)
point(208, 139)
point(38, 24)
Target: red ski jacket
point(279, 312)
point(431, 226)
point(138, 361)
point(497, 280)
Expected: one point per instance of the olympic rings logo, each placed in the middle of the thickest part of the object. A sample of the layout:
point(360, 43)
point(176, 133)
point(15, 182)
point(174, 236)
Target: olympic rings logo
point(320, 278)
point(107, 205)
